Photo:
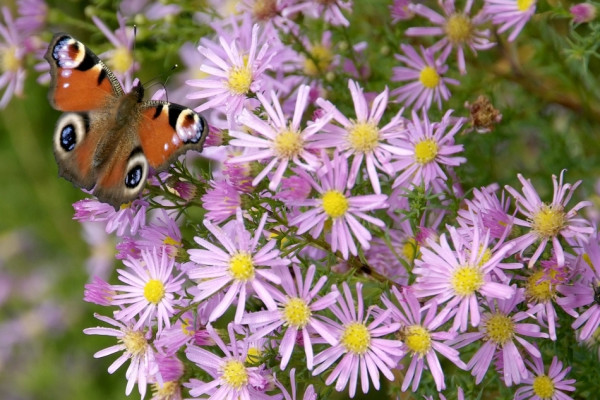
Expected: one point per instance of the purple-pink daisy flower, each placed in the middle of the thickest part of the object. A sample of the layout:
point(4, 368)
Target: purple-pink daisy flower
point(459, 30)
point(428, 75)
point(130, 216)
point(283, 141)
point(12, 53)
point(510, 14)
point(241, 264)
point(296, 308)
point(360, 346)
point(221, 201)
point(362, 138)
point(542, 385)
point(336, 204)
point(546, 221)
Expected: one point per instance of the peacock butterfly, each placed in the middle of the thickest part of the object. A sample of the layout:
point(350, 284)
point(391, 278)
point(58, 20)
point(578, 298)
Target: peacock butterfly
point(108, 139)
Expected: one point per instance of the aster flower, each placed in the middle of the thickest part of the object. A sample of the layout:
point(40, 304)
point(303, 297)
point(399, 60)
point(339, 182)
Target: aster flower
point(130, 216)
point(336, 204)
point(12, 53)
point(149, 9)
point(428, 75)
point(293, 188)
point(296, 308)
point(459, 30)
point(99, 292)
point(487, 210)
point(243, 264)
point(362, 137)
point(149, 290)
point(500, 331)
point(163, 234)
point(360, 346)
point(309, 393)
point(583, 12)
point(171, 371)
point(32, 16)
point(221, 201)
point(232, 378)
point(547, 221)
point(135, 347)
point(422, 339)
point(283, 140)
point(428, 147)
point(510, 14)
point(330, 11)
point(232, 76)
point(400, 10)
point(546, 386)
point(458, 276)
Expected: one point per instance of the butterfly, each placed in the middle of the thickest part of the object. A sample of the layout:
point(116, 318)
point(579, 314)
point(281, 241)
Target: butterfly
point(107, 140)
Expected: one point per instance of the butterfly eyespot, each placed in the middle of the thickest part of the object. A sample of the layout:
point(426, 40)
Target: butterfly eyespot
point(137, 171)
point(71, 129)
point(68, 138)
point(134, 176)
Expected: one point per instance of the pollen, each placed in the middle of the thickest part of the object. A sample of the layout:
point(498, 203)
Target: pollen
point(429, 77)
point(484, 256)
point(335, 204)
point(466, 280)
point(235, 374)
point(241, 266)
point(288, 144)
point(168, 390)
point(154, 291)
point(121, 60)
point(410, 249)
point(548, 221)
point(356, 338)
point(134, 342)
point(543, 387)
point(323, 57)
point(524, 5)
point(296, 312)
point(417, 338)
point(169, 241)
point(10, 62)
point(240, 79)
point(426, 151)
point(500, 329)
point(253, 355)
point(363, 136)
point(458, 28)
point(187, 328)
point(539, 287)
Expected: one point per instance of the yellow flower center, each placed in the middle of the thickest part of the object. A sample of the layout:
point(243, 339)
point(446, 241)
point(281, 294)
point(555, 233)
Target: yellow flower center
point(10, 61)
point(154, 291)
point(296, 312)
point(539, 286)
point(169, 241)
point(524, 5)
point(426, 151)
point(186, 327)
point(466, 280)
point(410, 249)
point(417, 338)
point(264, 10)
point(458, 28)
point(485, 257)
point(125, 206)
point(548, 221)
point(288, 144)
point(240, 79)
point(543, 387)
point(322, 55)
point(500, 329)
point(253, 355)
point(121, 60)
point(363, 136)
point(134, 342)
point(429, 77)
point(356, 338)
point(241, 266)
point(167, 391)
point(235, 374)
point(335, 203)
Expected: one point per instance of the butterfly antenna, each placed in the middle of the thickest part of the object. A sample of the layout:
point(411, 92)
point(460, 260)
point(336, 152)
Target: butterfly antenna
point(156, 80)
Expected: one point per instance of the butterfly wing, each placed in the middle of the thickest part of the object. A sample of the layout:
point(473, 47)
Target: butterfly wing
point(80, 81)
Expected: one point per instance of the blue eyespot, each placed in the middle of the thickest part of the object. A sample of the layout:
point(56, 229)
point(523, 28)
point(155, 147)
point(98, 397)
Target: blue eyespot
point(68, 138)
point(134, 177)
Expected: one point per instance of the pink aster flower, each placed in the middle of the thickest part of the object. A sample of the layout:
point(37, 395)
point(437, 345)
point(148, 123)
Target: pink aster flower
point(99, 292)
point(188, 329)
point(149, 9)
point(500, 331)
point(163, 234)
point(12, 53)
point(422, 339)
point(510, 14)
point(234, 74)
point(296, 308)
point(459, 30)
point(293, 188)
point(583, 12)
point(130, 216)
point(459, 275)
point(149, 290)
point(488, 210)
point(330, 11)
point(221, 201)
point(241, 265)
point(362, 138)
point(400, 10)
point(360, 346)
point(428, 75)
point(231, 377)
point(309, 393)
point(428, 148)
point(171, 371)
point(135, 347)
point(32, 16)
point(336, 204)
point(547, 221)
point(283, 141)
point(546, 386)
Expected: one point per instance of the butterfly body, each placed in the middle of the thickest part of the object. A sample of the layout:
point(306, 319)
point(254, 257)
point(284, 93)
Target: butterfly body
point(107, 140)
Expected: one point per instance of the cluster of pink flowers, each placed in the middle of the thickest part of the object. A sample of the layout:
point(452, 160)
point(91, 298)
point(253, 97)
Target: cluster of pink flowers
point(306, 259)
